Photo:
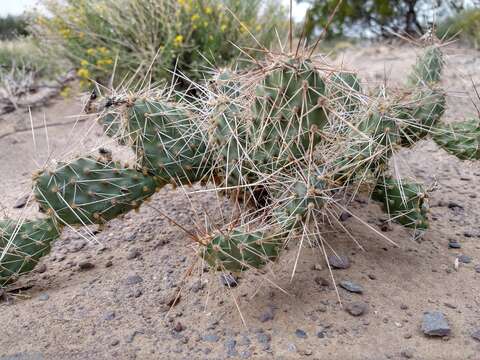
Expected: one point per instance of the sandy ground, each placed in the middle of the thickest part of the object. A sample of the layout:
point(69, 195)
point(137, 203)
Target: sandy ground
point(118, 308)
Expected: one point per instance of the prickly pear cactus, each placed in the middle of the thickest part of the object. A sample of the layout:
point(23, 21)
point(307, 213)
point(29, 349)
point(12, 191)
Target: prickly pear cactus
point(461, 139)
point(23, 244)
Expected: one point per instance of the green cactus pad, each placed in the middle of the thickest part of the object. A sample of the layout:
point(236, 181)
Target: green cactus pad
point(428, 68)
point(89, 191)
point(238, 250)
point(344, 90)
point(168, 141)
point(22, 245)
point(461, 139)
point(405, 202)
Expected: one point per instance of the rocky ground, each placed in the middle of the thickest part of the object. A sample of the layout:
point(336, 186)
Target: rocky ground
point(118, 297)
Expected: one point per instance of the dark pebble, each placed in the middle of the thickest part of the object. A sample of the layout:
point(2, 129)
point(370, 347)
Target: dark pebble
point(267, 315)
point(454, 205)
point(109, 315)
point(339, 262)
point(229, 280)
point(300, 334)
point(454, 245)
point(178, 327)
point(407, 353)
point(356, 308)
point(85, 265)
point(321, 281)
point(351, 286)
point(465, 259)
point(108, 264)
point(477, 268)
point(435, 324)
point(345, 215)
point(115, 342)
point(230, 345)
point(21, 202)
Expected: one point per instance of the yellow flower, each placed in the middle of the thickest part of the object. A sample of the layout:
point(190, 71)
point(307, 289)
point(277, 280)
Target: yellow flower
point(195, 17)
point(258, 28)
point(108, 61)
point(103, 50)
point(65, 32)
point(205, 23)
point(83, 73)
point(84, 63)
point(208, 10)
point(223, 27)
point(178, 40)
point(91, 51)
point(181, 2)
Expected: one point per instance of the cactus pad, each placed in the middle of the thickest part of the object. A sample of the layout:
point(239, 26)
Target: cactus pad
point(461, 139)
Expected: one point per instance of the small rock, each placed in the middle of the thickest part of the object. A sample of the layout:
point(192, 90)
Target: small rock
point(339, 262)
point(115, 342)
point(321, 281)
point(109, 315)
point(454, 245)
point(476, 335)
point(43, 297)
point(210, 338)
point(407, 353)
point(291, 347)
point(132, 336)
point(345, 215)
point(267, 315)
point(317, 267)
point(230, 345)
point(134, 279)
point(108, 264)
point(41, 268)
point(435, 324)
point(197, 286)
point(300, 334)
point(351, 286)
point(263, 337)
point(172, 298)
point(465, 259)
point(356, 308)
point(246, 354)
point(137, 293)
point(133, 254)
point(85, 265)
point(477, 268)
point(453, 205)
point(229, 280)
point(179, 327)
point(451, 306)
point(404, 307)
point(20, 203)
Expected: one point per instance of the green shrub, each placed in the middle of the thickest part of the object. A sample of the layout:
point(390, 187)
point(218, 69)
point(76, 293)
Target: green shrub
point(124, 36)
point(465, 24)
point(12, 27)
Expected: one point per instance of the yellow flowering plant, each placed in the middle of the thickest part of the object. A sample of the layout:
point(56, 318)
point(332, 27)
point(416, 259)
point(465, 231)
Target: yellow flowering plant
point(100, 36)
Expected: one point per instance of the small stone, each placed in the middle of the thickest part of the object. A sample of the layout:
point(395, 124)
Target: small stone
point(178, 327)
point(372, 277)
point(453, 205)
point(134, 279)
point(229, 280)
point(356, 308)
point(465, 259)
point(230, 345)
point(291, 347)
point(351, 286)
point(404, 307)
point(306, 352)
point(321, 281)
point(115, 342)
point(85, 265)
point(20, 203)
point(454, 245)
point(41, 268)
point(451, 306)
point(43, 297)
point(476, 335)
point(300, 334)
point(137, 293)
point(109, 315)
point(197, 286)
point(246, 354)
point(267, 315)
point(133, 254)
point(435, 324)
point(339, 262)
point(407, 353)
point(477, 269)
point(345, 215)
point(108, 264)
point(263, 337)
point(210, 338)
point(317, 267)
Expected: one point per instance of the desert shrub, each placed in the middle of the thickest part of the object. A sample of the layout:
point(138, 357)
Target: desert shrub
point(125, 36)
point(465, 24)
point(12, 27)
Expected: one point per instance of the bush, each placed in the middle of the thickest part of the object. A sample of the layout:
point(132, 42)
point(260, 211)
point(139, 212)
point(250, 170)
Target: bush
point(12, 27)
point(465, 24)
point(100, 36)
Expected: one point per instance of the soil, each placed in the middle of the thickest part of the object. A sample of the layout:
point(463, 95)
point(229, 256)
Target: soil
point(111, 297)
